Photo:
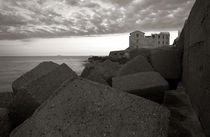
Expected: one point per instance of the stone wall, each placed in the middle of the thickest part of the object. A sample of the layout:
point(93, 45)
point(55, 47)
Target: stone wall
point(195, 43)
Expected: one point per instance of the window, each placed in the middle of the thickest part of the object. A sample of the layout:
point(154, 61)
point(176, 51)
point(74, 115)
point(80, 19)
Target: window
point(137, 35)
point(158, 42)
point(158, 37)
point(163, 36)
point(137, 41)
point(163, 42)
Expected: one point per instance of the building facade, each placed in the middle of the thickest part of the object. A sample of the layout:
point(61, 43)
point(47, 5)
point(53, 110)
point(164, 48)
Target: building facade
point(137, 39)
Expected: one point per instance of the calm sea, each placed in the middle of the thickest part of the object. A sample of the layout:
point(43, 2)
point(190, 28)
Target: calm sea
point(13, 67)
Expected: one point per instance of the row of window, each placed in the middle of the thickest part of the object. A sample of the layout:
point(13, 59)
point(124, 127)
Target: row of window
point(153, 36)
point(137, 41)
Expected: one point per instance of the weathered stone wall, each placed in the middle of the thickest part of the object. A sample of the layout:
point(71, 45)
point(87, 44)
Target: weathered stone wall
point(195, 42)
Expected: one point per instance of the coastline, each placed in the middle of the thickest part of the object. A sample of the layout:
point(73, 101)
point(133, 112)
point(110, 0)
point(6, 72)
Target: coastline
point(13, 67)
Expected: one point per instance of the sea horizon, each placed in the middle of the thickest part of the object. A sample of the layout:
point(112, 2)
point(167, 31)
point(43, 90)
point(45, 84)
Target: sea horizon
point(13, 67)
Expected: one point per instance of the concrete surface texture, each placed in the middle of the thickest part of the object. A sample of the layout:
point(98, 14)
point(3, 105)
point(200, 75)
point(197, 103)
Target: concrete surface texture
point(96, 77)
point(105, 70)
point(150, 85)
point(5, 99)
point(183, 119)
point(33, 94)
point(5, 125)
point(42, 69)
point(85, 108)
point(195, 42)
point(136, 65)
point(167, 62)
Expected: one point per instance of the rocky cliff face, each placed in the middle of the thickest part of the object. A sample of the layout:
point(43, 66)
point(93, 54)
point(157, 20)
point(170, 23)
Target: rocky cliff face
point(195, 44)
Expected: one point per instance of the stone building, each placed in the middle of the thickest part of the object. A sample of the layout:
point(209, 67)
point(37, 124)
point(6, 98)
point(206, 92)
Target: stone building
point(137, 39)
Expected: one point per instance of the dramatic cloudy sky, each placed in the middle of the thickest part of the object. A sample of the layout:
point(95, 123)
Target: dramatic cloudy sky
point(57, 18)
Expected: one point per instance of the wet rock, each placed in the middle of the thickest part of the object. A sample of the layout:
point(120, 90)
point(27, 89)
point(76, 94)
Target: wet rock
point(150, 85)
point(136, 65)
point(167, 61)
point(85, 108)
point(5, 99)
point(39, 71)
point(5, 125)
point(29, 97)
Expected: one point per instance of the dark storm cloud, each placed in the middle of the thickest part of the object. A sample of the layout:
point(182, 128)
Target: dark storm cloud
point(57, 18)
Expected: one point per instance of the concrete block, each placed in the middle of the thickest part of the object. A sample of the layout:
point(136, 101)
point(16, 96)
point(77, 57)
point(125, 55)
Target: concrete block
point(183, 119)
point(96, 77)
point(29, 97)
point(176, 99)
point(196, 58)
point(167, 62)
point(84, 108)
point(39, 71)
point(143, 51)
point(106, 70)
point(5, 99)
point(5, 125)
point(136, 65)
point(150, 85)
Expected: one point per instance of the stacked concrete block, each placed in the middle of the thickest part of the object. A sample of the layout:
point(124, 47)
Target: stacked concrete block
point(85, 108)
point(183, 120)
point(39, 71)
point(96, 77)
point(142, 51)
point(150, 85)
point(136, 65)
point(195, 40)
point(36, 91)
point(167, 62)
point(105, 70)
point(5, 99)
point(5, 125)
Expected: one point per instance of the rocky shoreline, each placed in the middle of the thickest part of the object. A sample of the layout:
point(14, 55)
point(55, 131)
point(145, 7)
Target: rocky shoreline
point(159, 92)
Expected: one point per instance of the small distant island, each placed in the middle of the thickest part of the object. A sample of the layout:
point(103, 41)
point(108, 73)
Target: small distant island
point(150, 89)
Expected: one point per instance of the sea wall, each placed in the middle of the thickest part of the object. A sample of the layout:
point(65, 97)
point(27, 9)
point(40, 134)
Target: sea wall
point(194, 41)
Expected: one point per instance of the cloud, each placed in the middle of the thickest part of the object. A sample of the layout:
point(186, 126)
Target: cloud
point(57, 18)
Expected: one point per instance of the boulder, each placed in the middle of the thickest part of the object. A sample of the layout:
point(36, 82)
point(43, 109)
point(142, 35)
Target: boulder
point(5, 99)
point(136, 65)
point(5, 125)
point(39, 71)
point(84, 108)
point(29, 97)
point(150, 85)
point(167, 62)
